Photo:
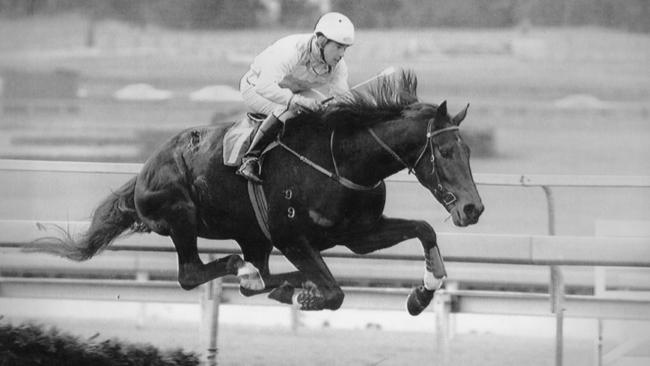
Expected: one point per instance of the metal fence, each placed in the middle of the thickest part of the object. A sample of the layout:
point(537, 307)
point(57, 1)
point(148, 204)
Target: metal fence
point(142, 257)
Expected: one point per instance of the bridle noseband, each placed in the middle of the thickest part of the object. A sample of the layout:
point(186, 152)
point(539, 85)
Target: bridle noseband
point(446, 197)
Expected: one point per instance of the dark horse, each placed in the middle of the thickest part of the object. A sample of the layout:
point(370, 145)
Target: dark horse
point(333, 195)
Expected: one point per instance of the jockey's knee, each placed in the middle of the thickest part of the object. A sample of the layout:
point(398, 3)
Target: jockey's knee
point(334, 299)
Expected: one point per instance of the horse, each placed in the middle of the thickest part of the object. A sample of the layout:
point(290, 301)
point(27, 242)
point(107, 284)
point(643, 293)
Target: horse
point(324, 186)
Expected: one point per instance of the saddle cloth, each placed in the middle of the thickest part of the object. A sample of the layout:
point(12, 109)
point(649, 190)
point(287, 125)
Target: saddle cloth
point(239, 137)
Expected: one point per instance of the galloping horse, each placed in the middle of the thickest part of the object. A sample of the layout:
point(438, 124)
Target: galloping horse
point(328, 173)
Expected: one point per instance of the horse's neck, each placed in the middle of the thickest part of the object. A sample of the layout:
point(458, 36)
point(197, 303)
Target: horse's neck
point(365, 161)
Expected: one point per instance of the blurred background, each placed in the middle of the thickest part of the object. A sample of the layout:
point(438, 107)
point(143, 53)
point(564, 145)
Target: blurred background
point(556, 87)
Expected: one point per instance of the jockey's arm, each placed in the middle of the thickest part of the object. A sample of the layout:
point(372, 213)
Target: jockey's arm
point(273, 70)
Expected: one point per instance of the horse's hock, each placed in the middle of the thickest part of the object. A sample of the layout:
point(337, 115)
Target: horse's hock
point(39, 91)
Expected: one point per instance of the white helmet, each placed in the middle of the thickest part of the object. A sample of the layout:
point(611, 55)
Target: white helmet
point(337, 27)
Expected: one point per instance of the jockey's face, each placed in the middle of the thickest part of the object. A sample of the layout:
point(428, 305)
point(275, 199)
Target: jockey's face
point(333, 52)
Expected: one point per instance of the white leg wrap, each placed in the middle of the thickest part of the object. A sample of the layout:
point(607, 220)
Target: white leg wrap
point(294, 298)
point(432, 283)
point(250, 278)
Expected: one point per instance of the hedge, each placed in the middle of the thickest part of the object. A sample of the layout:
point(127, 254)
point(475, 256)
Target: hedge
point(31, 344)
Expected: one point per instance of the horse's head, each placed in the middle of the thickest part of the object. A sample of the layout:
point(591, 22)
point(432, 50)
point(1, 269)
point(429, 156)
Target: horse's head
point(389, 111)
point(443, 168)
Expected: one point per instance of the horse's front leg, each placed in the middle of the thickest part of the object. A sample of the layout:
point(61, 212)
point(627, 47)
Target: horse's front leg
point(281, 285)
point(389, 232)
point(321, 291)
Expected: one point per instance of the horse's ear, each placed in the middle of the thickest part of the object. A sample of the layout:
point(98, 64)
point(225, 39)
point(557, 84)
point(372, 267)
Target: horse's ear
point(460, 116)
point(442, 109)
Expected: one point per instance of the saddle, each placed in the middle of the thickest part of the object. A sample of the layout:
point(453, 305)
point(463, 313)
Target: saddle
point(239, 136)
point(236, 141)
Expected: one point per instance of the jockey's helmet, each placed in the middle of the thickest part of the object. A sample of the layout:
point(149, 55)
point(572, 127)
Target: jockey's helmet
point(336, 27)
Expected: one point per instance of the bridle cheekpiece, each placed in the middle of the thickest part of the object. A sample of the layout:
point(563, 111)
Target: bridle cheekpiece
point(446, 197)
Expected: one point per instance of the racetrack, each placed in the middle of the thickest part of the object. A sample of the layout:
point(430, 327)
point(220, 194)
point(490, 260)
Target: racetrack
point(514, 93)
point(250, 345)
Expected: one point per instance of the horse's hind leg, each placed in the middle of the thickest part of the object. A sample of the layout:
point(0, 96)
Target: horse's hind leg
point(192, 272)
point(178, 221)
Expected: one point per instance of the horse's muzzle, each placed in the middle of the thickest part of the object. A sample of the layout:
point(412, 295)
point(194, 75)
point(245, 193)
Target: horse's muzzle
point(467, 214)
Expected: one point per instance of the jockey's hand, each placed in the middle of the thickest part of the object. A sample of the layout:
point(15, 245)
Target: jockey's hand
point(301, 103)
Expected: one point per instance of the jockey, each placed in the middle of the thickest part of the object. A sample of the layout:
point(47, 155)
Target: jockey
point(281, 80)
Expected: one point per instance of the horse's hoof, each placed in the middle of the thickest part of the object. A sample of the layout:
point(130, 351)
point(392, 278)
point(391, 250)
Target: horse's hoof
point(418, 300)
point(250, 278)
point(283, 293)
point(309, 298)
point(233, 264)
point(246, 292)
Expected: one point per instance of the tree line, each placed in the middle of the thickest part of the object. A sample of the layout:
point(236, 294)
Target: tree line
point(630, 15)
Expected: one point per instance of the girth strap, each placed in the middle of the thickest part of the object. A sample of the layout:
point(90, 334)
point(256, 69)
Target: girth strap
point(260, 206)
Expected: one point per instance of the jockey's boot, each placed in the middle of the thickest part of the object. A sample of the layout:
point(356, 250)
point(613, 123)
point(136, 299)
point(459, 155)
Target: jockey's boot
point(250, 167)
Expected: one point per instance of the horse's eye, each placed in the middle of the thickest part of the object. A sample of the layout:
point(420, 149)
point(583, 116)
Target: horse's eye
point(446, 153)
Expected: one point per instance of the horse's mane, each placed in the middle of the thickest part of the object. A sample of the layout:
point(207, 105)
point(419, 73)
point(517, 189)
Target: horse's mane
point(383, 99)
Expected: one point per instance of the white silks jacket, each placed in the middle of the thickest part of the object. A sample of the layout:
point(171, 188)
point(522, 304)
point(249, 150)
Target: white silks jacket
point(292, 65)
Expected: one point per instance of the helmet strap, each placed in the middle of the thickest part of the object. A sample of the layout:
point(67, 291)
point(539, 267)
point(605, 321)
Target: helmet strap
point(321, 42)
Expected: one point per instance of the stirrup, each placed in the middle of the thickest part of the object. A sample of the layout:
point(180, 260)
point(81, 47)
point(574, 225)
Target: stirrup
point(248, 169)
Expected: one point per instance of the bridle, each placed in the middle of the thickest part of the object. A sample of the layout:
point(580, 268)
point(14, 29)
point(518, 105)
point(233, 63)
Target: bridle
point(446, 197)
point(443, 195)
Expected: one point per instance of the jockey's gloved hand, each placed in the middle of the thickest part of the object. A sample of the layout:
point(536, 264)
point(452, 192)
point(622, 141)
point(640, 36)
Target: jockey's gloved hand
point(301, 103)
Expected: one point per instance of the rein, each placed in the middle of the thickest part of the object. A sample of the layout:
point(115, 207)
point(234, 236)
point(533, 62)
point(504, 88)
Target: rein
point(448, 198)
point(334, 176)
point(427, 144)
point(445, 196)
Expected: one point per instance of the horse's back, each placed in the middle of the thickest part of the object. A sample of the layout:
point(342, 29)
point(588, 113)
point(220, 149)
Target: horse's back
point(193, 150)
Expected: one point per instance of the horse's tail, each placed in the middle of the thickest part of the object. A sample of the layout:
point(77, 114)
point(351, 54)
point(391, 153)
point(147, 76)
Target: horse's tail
point(113, 217)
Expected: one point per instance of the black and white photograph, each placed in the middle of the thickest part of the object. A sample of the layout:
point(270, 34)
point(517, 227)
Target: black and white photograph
point(325, 182)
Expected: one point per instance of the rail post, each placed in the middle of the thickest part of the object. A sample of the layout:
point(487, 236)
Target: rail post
point(598, 344)
point(209, 327)
point(442, 309)
point(556, 285)
point(141, 276)
point(557, 307)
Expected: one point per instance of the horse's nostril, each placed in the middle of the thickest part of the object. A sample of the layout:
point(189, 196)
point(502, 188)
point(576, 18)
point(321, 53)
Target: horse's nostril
point(472, 211)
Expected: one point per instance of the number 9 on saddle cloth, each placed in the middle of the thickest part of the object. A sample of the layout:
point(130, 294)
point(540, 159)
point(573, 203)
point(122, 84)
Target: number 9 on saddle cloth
point(239, 136)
